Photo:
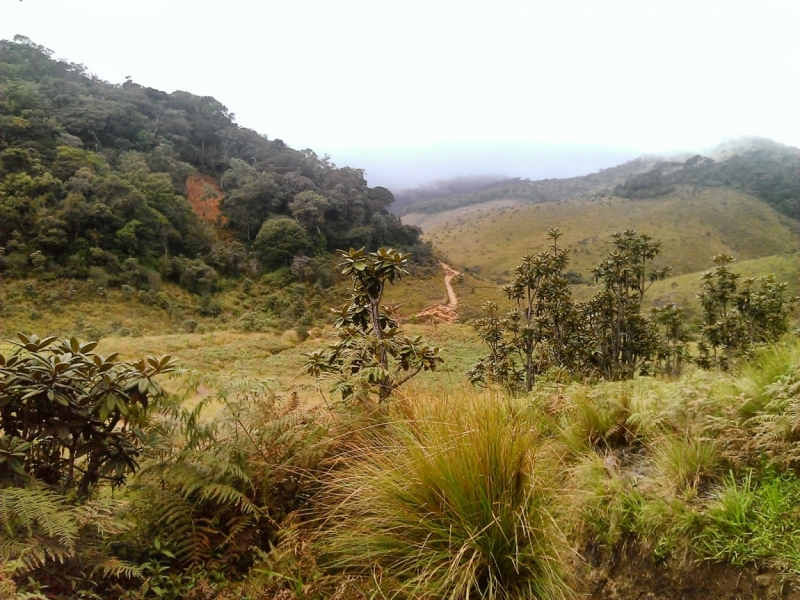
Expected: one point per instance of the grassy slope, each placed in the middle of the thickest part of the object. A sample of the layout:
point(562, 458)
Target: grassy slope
point(220, 347)
point(692, 224)
point(683, 289)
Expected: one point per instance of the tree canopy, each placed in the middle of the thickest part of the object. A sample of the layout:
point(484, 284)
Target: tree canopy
point(92, 174)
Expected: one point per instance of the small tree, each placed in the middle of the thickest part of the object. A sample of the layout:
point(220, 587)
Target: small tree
point(624, 340)
point(71, 418)
point(673, 340)
point(372, 354)
point(735, 319)
point(498, 366)
point(536, 335)
point(543, 330)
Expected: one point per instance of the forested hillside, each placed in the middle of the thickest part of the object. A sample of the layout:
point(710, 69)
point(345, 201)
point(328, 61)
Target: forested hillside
point(764, 169)
point(93, 175)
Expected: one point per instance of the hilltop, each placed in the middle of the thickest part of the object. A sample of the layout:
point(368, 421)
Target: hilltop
point(765, 169)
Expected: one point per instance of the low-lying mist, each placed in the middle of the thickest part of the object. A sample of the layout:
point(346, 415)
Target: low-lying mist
point(402, 169)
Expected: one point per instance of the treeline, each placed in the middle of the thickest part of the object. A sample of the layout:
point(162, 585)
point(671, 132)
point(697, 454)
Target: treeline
point(93, 175)
point(767, 170)
point(543, 190)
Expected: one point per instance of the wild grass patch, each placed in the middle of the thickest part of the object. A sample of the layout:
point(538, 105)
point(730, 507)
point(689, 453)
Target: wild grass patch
point(452, 499)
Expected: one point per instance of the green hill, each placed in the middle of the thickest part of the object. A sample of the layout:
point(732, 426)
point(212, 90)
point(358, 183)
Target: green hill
point(764, 169)
point(693, 224)
point(93, 178)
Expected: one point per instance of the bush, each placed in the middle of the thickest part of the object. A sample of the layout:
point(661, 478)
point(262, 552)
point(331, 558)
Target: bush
point(72, 418)
point(197, 277)
point(454, 499)
point(278, 241)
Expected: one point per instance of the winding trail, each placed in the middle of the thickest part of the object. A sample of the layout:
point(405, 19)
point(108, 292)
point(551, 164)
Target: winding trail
point(444, 312)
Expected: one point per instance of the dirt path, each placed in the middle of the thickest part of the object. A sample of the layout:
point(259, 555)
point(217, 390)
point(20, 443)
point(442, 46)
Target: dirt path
point(445, 312)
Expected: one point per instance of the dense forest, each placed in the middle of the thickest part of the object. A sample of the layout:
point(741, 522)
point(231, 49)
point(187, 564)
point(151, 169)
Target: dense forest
point(94, 175)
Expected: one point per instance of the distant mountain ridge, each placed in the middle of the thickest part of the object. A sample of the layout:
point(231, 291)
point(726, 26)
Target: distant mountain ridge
point(447, 187)
point(760, 167)
point(535, 192)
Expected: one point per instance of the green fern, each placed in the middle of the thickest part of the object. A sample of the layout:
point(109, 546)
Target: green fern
point(38, 525)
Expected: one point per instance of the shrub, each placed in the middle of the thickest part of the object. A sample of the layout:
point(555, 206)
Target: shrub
point(72, 418)
point(197, 277)
point(278, 241)
point(453, 500)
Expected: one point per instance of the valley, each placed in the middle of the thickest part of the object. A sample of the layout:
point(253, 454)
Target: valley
point(230, 369)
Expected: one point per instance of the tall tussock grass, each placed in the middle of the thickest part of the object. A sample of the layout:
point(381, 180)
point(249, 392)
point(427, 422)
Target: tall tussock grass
point(454, 498)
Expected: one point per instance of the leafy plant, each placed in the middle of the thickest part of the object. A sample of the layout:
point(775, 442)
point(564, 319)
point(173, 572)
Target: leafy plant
point(736, 318)
point(540, 333)
point(623, 340)
point(372, 355)
point(72, 418)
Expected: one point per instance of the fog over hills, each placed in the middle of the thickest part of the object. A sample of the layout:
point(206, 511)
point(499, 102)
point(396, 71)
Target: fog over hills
point(763, 168)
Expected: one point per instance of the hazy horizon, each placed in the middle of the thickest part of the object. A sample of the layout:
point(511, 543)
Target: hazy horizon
point(406, 168)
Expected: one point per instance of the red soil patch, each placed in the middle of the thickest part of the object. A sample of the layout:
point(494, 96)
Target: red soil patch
point(446, 313)
point(204, 194)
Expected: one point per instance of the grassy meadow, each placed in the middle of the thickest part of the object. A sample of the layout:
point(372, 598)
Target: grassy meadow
point(573, 491)
point(276, 489)
point(693, 224)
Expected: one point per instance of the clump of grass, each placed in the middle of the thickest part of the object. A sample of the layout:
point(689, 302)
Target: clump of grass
point(754, 522)
point(606, 507)
point(597, 419)
point(755, 377)
point(683, 463)
point(455, 500)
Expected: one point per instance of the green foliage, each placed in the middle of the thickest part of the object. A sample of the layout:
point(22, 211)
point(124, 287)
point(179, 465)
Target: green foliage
point(372, 355)
point(454, 499)
point(624, 341)
point(540, 334)
point(673, 339)
point(219, 488)
point(764, 169)
point(71, 418)
point(754, 523)
point(278, 241)
point(737, 318)
point(89, 167)
point(50, 543)
point(606, 336)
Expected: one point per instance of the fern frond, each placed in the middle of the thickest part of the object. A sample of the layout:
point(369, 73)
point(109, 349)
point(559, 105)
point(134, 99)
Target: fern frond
point(114, 567)
point(39, 518)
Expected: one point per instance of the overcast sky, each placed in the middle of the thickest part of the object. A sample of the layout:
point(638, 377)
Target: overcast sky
point(413, 91)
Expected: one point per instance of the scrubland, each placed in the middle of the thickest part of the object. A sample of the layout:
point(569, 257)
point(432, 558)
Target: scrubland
point(575, 490)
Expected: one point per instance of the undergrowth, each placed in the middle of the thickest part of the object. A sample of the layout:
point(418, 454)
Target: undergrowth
point(440, 494)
